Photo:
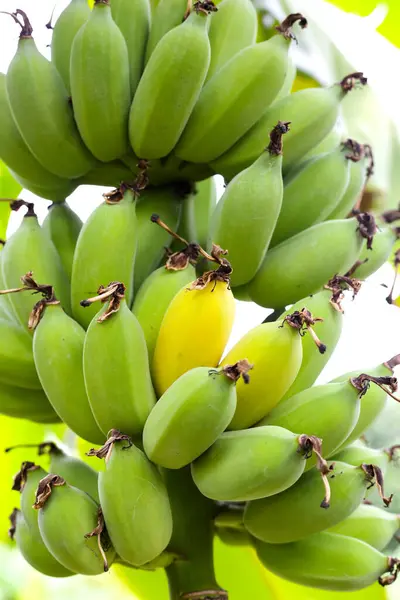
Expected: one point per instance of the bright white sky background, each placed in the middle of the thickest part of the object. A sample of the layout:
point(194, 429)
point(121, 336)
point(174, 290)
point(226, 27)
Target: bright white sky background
point(372, 327)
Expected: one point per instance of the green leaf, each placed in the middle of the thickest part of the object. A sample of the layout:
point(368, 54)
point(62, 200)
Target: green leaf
point(9, 188)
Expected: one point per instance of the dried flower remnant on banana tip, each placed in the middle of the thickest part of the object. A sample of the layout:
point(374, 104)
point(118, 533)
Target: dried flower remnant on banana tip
point(113, 293)
point(338, 285)
point(303, 321)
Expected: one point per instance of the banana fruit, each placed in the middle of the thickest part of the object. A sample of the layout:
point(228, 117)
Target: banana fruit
point(167, 15)
point(62, 226)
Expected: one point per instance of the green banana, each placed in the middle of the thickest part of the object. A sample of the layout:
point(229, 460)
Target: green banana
point(26, 482)
point(33, 549)
point(40, 106)
point(312, 192)
point(252, 463)
point(289, 80)
point(184, 50)
point(116, 366)
point(328, 143)
point(370, 261)
point(73, 17)
point(181, 425)
point(133, 19)
point(62, 226)
point(55, 193)
point(30, 251)
point(205, 200)
point(154, 297)
point(329, 411)
point(295, 269)
point(275, 350)
point(358, 452)
point(134, 501)
point(230, 529)
point(16, 359)
point(187, 222)
point(328, 561)
point(298, 511)
point(166, 201)
point(226, 110)
point(6, 309)
point(112, 226)
point(312, 114)
point(373, 403)
point(58, 352)
point(371, 524)
point(359, 173)
point(232, 28)
point(246, 215)
point(16, 154)
point(72, 527)
point(108, 174)
point(100, 84)
point(167, 15)
point(26, 404)
point(326, 304)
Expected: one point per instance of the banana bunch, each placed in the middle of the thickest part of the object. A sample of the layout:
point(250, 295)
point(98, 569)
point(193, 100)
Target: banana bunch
point(120, 327)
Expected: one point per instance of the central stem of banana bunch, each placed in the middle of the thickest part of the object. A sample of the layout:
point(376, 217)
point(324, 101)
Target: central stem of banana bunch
point(191, 576)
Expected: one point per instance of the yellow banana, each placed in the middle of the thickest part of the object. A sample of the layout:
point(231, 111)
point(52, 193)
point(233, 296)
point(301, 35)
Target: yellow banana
point(29, 250)
point(232, 28)
point(246, 215)
point(40, 106)
point(184, 50)
point(62, 225)
point(67, 26)
point(134, 501)
point(133, 19)
point(329, 562)
point(116, 367)
point(226, 109)
point(312, 114)
point(113, 225)
point(167, 15)
point(100, 86)
point(195, 328)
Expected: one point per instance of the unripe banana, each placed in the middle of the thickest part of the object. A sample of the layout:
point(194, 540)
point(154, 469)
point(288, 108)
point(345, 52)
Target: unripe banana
point(152, 241)
point(205, 200)
point(67, 26)
point(191, 414)
point(289, 80)
point(40, 106)
point(370, 524)
point(232, 28)
point(33, 549)
point(230, 529)
point(195, 328)
point(16, 154)
point(225, 112)
point(373, 403)
point(56, 193)
point(329, 562)
point(116, 367)
point(134, 501)
point(184, 50)
point(30, 251)
point(329, 411)
point(167, 15)
point(26, 404)
point(58, 351)
point(312, 114)
point(16, 357)
point(133, 19)
point(6, 309)
point(246, 215)
point(252, 463)
point(329, 142)
point(26, 482)
point(69, 523)
point(312, 192)
point(370, 261)
point(112, 226)
point(100, 64)
point(298, 512)
point(358, 452)
point(275, 350)
point(326, 304)
point(154, 297)
point(294, 269)
point(62, 225)
point(358, 177)
point(108, 174)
